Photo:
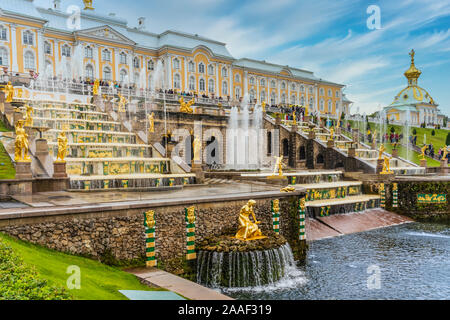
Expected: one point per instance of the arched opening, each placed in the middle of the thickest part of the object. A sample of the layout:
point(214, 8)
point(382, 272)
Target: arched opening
point(285, 143)
point(319, 159)
point(212, 151)
point(269, 143)
point(302, 153)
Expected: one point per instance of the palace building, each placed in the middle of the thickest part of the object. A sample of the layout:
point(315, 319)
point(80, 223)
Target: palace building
point(47, 40)
point(414, 104)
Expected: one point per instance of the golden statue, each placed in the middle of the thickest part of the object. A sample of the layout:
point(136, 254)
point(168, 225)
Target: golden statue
point(95, 87)
point(9, 90)
point(62, 147)
point(28, 116)
point(278, 166)
point(276, 205)
point(332, 133)
point(151, 122)
point(191, 215)
point(21, 144)
point(306, 111)
point(424, 148)
point(122, 102)
point(288, 189)
point(294, 118)
point(197, 144)
point(248, 230)
point(186, 106)
point(303, 204)
point(445, 153)
point(381, 151)
point(150, 219)
point(263, 106)
point(88, 5)
point(386, 166)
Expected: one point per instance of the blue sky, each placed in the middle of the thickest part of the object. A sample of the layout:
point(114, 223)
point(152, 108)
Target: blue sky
point(328, 37)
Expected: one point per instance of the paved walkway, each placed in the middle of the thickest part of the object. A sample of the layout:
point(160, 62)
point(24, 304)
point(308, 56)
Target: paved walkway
point(186, 288)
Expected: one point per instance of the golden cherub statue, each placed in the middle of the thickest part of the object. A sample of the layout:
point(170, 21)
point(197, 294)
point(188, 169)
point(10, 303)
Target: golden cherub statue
point(21, 145)
point(278, 166)
point(386, 166)
point(151, 122)
point(9, 90)
point(28, 116)
point(197, 144)
point(122, 102)
point(88, 5)
point(248, 230)
point(263, 106)
point(186, 106)
point(95, 87)
point(424, 148)
point(191, 215)
point(294, 118)
point(332, 133)
point(150, 219)
point(381, 151)
point(62, 147)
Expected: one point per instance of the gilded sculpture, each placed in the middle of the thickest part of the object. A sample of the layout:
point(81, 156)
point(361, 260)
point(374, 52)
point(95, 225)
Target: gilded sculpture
point(122, 102)
point(386, 166)
point(197, 144)
point(9, 90)
point(150, 219)
point(96, 86)
point(248, 229)
point(381, 151)
point(191, 215)
point(424, 148)
point(88, 5)
point(331, 133)
point(445, 153)
point(263, 106)
point(28, 116)
point(21, 145)
point(288, 189)
point(62, 147)
point(278, 166)
point(294, 118)
point(151, 122)
point(186, 106)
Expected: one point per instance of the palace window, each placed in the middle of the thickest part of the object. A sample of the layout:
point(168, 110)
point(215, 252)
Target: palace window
point(337, 108)
point(224, 72)
point(310, 90)
point(337, 93)
point(273, 99)
point(322, 105)
point(273, 84)
point(136, 63)
point(293, 99)
point(252, 80)
point(283, 98)
point(123, 58)
point(176, 64)
point(89, 73)
point(202, 85)
point(28, 38)
point(330, 106)
point(4, 57)
point(191, 66)
point(211, 70)
point(302, 101)
point(329, 93)
point(238, 93)
point(283, 85)
point(3, 33)
point(65, 51)
point(106, 55)
point(225, 88)
point(177, 81)
point(201, 68)
point(48, 68)
point(107, 75)
point(123, 75)
point(237, 78)
point(192, 83)
point(150, 65)
point(302, 88)
point(263, 82)
point(262, 96)
point(211, 85)
point(311, 103)
point(47, 48)
point(88, 53)
point(293, 87)
point(29, 60)
point(321, 91)
point(252, 96)
point(136, 78)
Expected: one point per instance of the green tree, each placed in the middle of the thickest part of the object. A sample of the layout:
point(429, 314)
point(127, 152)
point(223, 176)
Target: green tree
point(414, 131)
point(433, 133)
point(392, 130)
point(447, 141)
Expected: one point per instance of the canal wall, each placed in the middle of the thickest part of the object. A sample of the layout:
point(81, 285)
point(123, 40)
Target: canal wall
point(114, 232)
point(421, 198)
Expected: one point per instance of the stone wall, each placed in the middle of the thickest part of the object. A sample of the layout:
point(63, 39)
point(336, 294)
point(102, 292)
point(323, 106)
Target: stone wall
point(118, 234)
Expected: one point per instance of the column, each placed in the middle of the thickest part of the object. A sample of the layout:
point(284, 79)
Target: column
point(97, 71)
point(186, 70)
point(117, 60)
point(40, 47)
point(14, 57)
point(217, 66)
point(168, 72)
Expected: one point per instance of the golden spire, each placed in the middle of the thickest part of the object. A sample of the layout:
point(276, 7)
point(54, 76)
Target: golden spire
point(412, 74)
point(88, 5)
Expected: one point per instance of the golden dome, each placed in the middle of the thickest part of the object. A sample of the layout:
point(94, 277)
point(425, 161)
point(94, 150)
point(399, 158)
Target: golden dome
point(412, 74)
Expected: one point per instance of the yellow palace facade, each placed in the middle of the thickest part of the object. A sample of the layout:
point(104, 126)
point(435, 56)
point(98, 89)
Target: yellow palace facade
point(52, 42)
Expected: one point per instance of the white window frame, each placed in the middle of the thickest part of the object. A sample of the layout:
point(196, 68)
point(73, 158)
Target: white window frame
point(28, 37)
point(104, 73)
point(4, 55)
point(27, 61)
point(66, 51)
point(191, 66)
point(211, 70)
point(201, 68)
point(123, 73)
point(176, 81)
point(201, 84)
point(86, 73)
point(123, 58)
point(3, 33)
point(192, 83)
point(225, 88)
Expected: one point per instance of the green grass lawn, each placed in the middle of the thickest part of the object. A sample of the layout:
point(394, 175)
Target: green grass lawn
point(413, 156)
point(7, 170)
point(98, 281)
point(3, 128)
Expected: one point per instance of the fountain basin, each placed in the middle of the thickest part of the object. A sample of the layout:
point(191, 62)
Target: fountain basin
point(225, 262)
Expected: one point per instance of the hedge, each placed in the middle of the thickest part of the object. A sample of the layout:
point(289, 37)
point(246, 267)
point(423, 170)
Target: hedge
point(19, 281)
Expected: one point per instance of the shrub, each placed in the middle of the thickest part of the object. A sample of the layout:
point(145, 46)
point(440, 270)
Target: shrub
point(392, 130)
point(414, 131)
point(21, 282)
point(433, 133)
point(447, 140)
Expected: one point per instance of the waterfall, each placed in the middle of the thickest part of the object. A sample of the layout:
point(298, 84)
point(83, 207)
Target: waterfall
point(243, 269)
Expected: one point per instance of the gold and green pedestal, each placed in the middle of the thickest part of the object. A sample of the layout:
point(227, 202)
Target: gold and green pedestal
point(149, 223)
point(302, 218)
point(383, 196)
point(276, 215)
point(190, 233)
point(395, 195)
